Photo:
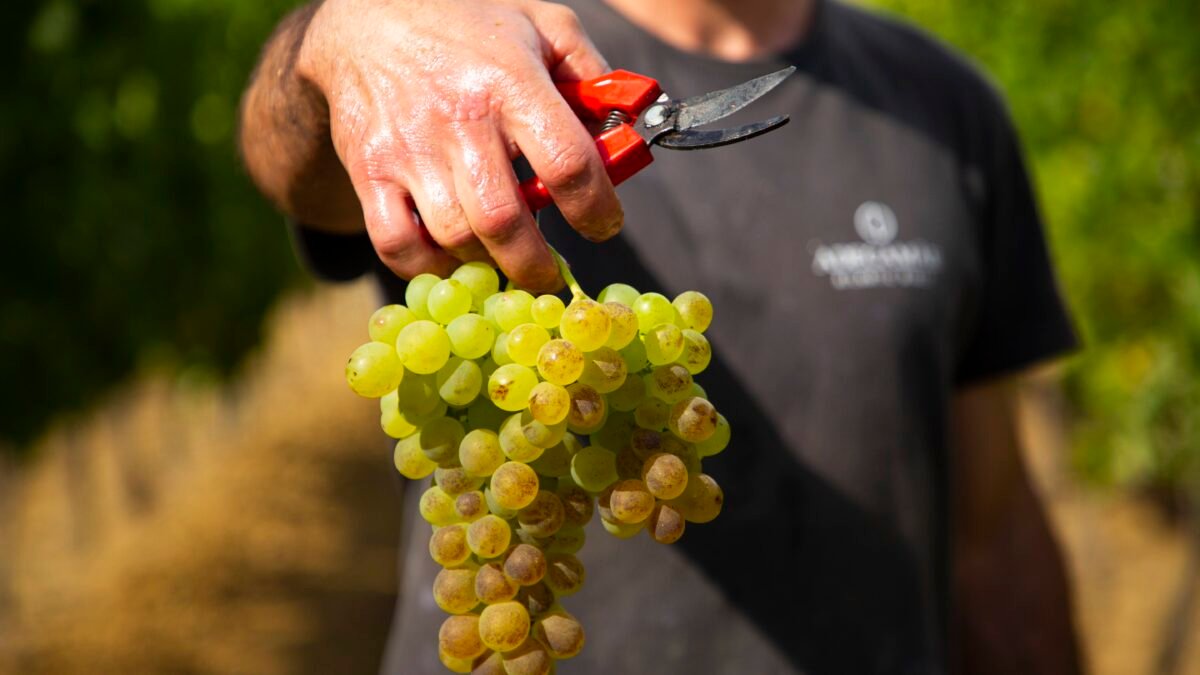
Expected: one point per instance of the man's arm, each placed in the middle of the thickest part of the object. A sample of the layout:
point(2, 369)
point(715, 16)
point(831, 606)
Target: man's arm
point(362, 110)
point(1012, 607)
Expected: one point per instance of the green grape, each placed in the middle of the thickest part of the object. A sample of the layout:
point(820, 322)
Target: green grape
point(494, 506)
point(544, 515)
point(373, 370)
point(459, 637)
point(448, 545)
point(395, 424)
point(693, 419)
point(537, 599)
point(531, 658)
point(549, 403)
point(683, 450)
point(701, 501)
point(585, 323)
point(455, 481)
point(629, 465)
point(471, 336)
point(500, 350)
point(489, 309)
point(449, 298)
point(492, 585)
point(423, 347)
point(491, 663)
point(524, 342)
point(616, 431)
point(525, 564)
point(664, 343)
point(479, 453)
point(653, 309)
point(514, 485)
point(488, 537)
point(665, 524)
point(594, 468)
point(410, 461)
point(718, 441)
point(645, 442)
point(630, 501)
point(696, 353)
point(560, 633)
point(513, 309)
point(439, 440)
point(568, 539)
point(588, 408)
point(437, 507)
point(455, 664)
point(560, 362)
point(697, 390)
point(470, 506)
point(670, 383)
point(515, 443)
point(555, 461)
point(665, 475)
point(386, 322)
point(417, 397)
point(622, 530)
point(417, 292)
point(482, 414)
point(603, 370)
point(480, 279)
point(629, 395)
point(459, 381)
point(510, 385)
point(547, 311)
point(489, 366)
point(634, 354)
point(695, 309)
point(454, 589)
point(504, 626)
point(564, 574)
point(541, 435)
point(624, 325)
point(652, 414)
point(620, 293)
point(577, 504)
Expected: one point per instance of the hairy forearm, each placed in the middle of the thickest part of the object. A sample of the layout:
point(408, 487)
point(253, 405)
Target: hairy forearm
point(285, 140)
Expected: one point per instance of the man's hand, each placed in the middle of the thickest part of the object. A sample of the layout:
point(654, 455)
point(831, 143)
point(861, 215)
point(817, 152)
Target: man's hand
point(364, 109)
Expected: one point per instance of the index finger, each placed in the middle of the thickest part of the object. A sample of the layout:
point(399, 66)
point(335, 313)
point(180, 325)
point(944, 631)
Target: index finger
point(564, 156)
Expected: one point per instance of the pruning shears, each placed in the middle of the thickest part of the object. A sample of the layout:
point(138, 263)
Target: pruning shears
point(634, 113)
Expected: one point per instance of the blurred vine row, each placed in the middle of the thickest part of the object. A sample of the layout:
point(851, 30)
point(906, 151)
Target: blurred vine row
point(1107, 100)
point(134, 238)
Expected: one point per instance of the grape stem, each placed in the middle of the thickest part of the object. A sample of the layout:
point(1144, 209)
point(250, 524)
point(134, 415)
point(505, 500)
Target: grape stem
point(564, 269)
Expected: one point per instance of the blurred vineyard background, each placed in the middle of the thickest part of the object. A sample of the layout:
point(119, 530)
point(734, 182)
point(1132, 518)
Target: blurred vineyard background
point(185, 486)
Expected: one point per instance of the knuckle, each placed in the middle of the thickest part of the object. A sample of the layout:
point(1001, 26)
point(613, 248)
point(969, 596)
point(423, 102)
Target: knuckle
point(564, 16)
point(566, 165)
point(393, 246)
point(499, 220)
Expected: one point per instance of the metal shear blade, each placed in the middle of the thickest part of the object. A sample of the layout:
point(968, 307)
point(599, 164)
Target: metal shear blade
point(698, 139)
point(710, 107)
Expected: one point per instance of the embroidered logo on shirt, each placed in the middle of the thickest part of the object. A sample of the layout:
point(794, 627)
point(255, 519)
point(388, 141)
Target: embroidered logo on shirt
point(879, 260)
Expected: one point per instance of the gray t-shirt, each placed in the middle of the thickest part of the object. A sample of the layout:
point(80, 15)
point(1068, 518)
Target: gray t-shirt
point(864, 261)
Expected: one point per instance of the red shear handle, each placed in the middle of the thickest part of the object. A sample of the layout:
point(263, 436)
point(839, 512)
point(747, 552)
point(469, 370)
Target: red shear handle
point(624, 154)
point(620, 90)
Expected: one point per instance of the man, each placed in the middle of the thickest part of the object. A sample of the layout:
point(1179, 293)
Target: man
point(877, 268)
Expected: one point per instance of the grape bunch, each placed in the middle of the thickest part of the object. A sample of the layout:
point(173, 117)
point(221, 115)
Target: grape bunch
point(531, 416)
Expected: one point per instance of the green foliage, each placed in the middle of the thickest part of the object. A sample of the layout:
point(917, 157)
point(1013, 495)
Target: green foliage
point(1108, 102)
point(131, 232)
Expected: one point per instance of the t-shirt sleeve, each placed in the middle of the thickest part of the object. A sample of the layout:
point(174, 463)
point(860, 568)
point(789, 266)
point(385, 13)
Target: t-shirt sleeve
point(1021, 317)
point(331, 257)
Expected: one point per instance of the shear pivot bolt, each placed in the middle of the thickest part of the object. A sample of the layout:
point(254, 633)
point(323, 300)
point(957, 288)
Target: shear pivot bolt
point(656, 115)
